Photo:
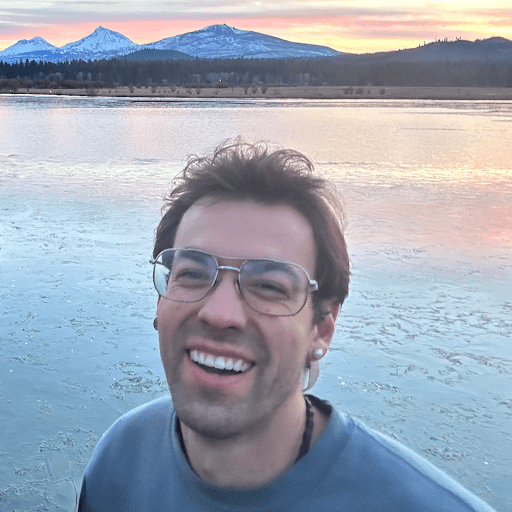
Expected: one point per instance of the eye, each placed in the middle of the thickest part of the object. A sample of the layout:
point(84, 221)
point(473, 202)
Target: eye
point(190, 276)
point(266, 289)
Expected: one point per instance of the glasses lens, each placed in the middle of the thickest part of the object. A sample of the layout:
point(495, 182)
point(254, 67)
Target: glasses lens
point(274, 287)
point(271, 287)
point(184, 275)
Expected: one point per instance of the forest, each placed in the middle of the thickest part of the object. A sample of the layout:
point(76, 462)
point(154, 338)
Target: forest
point(333, 71)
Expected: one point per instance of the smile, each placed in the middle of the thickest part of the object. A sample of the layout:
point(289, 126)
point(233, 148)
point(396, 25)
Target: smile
point(218, 364)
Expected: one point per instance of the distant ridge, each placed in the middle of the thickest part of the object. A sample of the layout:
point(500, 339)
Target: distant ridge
point(152, 54)
point(213, 42)
point(222, 41)
point(495, 49)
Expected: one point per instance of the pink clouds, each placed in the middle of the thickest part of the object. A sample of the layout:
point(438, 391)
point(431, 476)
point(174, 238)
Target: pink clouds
point(345, 28)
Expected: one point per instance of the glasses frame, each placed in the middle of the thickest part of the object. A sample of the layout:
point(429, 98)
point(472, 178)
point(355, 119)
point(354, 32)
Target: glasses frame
point(312, 284)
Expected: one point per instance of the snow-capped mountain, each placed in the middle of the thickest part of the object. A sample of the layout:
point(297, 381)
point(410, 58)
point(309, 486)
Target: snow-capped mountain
point(221, 41)
point(216, 41)
point(28, 45)
point(101, 44)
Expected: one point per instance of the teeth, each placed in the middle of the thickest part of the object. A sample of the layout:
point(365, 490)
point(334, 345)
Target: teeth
point(219, 363)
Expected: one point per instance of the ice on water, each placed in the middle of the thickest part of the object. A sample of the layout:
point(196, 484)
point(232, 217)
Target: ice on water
point(422, 348)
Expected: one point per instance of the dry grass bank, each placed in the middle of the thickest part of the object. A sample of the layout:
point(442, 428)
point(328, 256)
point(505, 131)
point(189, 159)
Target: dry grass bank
point(301, 92)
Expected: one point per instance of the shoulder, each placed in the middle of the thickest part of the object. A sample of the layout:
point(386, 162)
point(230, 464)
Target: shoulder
point(131, 460)
point(386, 471)
point(150, 416)
point(141, 430)
point(160, 409)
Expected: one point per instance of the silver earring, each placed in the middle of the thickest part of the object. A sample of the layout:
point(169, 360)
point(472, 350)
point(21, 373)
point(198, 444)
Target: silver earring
point(155, 324)
point(318, 353)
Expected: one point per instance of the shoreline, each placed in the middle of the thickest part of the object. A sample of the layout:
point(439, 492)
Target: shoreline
point(285, 92)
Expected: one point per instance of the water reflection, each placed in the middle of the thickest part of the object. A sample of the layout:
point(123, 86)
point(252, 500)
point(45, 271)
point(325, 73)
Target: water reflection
point(463, 136)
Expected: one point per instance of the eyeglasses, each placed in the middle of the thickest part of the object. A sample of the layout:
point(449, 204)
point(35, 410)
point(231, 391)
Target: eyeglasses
point(272, 287)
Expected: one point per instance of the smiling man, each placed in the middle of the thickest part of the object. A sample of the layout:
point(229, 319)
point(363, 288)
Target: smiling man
point(251, 269)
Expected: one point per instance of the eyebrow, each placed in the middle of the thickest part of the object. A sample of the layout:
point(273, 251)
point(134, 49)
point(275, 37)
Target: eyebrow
point(271, 263)
point(194, 254)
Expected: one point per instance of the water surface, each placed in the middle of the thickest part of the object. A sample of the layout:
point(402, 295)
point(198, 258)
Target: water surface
point(422, 348)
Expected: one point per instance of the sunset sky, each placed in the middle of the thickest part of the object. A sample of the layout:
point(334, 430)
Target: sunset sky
point(345, 25)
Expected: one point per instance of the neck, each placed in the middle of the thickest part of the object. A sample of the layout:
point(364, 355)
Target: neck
point(255, 457)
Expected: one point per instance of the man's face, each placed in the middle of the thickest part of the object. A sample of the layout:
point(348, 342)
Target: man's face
point(272, 350)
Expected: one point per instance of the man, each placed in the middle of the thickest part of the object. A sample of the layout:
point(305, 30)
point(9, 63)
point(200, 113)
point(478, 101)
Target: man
point(251, 268)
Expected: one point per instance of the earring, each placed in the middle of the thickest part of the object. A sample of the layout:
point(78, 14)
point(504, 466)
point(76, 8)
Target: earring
point(155, 324)
point(318, 353)
point(310, 376)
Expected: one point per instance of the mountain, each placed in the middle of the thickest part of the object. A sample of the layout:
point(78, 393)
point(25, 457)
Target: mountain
point(216, 41)
point(221, 41)
point(27, 46)
point(101, 44)
point(494, 50)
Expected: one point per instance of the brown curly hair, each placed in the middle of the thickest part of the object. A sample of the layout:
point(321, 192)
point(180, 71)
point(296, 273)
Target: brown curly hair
point(242, 171)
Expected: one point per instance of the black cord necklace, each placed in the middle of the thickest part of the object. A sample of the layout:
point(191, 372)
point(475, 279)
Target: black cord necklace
point(308, 429)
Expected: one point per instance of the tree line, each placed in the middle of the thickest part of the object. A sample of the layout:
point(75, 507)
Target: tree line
point(334, 71)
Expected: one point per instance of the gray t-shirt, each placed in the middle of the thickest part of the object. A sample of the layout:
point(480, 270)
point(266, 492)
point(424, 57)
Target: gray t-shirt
point(139, 466)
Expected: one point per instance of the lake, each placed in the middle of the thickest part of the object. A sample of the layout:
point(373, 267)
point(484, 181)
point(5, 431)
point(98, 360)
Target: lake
point(422, 349)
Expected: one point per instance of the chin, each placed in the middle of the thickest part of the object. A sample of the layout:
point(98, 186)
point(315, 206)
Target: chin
point(214, 422)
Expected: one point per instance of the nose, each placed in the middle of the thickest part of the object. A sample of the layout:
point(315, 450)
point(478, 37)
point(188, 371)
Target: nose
point(223, 307)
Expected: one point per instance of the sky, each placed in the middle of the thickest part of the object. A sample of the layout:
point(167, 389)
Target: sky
point(345, 25)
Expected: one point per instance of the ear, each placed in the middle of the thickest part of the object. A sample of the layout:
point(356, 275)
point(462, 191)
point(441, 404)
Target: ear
point(326, 327)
